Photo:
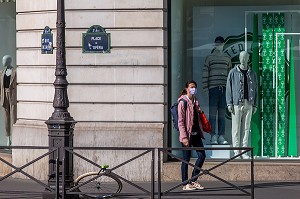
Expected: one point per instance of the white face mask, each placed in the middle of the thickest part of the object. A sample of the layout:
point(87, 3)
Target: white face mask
point(193, 91)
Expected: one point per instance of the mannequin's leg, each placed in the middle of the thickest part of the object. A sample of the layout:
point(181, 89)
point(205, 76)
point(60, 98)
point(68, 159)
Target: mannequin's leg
point(212, 113)
point(236, 127)
point(7, 125)
point(247, 123)
point(221, 113)
point(8, 141)
point(13, 114)
point(7, 115)
point(221, 117)
point(7, 121)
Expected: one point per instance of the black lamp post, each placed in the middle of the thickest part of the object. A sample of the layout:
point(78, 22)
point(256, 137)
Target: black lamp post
point(60, 124)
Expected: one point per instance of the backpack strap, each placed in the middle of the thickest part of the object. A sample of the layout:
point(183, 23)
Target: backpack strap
point(184, 102)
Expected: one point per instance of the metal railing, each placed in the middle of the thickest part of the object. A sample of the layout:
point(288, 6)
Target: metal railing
point(60, 191)
point(144, 151)
point(244, 150)
point(20, 169)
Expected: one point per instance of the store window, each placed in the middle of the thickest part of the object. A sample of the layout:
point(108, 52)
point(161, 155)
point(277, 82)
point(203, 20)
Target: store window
point(270, 34)
point(7, 47)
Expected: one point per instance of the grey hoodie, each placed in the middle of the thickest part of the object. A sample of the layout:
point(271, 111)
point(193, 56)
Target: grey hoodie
point(235, 87)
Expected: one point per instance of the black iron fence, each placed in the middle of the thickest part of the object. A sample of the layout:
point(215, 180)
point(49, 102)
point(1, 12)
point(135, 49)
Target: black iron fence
point(20, 169)
point(111, 172)
point(153, 189)
point(242, 190)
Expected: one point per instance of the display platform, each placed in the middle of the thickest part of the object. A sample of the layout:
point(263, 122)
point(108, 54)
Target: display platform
point(220, 154)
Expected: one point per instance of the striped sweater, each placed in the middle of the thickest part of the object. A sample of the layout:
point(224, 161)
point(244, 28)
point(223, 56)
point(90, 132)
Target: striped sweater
point(215, 71)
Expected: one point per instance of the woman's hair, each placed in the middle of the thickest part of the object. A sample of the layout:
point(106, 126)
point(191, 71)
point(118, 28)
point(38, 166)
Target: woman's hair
point(183, 92)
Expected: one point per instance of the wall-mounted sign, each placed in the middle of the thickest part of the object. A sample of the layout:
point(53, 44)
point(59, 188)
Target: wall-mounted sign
point(47, 41)
point(96, 40)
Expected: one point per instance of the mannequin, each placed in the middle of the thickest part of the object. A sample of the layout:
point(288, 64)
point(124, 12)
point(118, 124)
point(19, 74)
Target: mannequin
point(215, 71)
point(8, 85)
point(241, 98)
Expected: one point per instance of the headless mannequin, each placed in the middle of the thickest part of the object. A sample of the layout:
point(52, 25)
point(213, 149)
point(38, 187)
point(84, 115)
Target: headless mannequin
point(242, 111)
point(244, 58)
point(8, 69)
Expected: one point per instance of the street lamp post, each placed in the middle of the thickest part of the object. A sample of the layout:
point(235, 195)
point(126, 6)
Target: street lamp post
point(60, 124)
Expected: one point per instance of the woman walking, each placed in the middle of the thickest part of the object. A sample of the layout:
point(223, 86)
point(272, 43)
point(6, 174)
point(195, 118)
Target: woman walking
point(190, 133)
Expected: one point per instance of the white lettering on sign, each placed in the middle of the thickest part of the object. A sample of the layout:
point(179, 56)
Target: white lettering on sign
point(234, 49)
point(95, 30)
point(97, 47)
point(95, 38)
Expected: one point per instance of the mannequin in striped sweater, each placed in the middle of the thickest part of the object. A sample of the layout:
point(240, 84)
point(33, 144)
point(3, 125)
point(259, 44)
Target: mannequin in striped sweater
point(216, 68)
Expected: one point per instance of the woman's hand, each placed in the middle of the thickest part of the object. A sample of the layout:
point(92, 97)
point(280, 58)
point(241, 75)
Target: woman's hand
point(185, 142)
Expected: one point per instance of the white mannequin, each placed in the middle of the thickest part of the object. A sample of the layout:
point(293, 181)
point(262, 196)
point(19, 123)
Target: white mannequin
point(7, 64)
point(244, 58)
point(242, 101)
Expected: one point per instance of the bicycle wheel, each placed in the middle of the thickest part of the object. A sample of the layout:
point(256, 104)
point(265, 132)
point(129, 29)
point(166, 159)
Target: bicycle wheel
point(102, 186)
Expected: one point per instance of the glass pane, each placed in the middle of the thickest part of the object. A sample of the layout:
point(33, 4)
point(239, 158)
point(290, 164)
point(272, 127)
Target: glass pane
point(194, 27)
point(7, 47)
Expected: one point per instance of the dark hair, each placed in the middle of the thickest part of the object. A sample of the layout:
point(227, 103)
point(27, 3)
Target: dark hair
point(219, 39)
point(183, 92)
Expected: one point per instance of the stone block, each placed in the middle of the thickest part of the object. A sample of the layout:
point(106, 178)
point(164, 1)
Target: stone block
point(4, 168)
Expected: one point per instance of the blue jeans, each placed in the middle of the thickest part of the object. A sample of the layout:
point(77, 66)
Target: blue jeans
point(217, 105)
point(195, 141)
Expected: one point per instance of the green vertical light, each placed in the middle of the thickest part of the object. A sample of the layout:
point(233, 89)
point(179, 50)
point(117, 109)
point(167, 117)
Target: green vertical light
point(267, 85)
point(256, 119)
point(292, 138)
point(279, 22)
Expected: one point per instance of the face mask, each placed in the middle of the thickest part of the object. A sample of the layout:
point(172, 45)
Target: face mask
point(193, 91)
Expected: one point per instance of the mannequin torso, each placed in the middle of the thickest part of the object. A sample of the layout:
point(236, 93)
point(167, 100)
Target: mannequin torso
point(8, 71)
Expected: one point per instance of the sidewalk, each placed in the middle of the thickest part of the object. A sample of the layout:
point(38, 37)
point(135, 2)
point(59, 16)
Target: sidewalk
point(19, 188)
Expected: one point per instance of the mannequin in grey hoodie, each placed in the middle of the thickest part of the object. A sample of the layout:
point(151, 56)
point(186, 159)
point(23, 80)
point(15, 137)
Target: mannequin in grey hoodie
point(241, 98)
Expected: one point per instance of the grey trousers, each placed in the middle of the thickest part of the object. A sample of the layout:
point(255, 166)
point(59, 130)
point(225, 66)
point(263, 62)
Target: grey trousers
point(10, 113)
point(241, 122)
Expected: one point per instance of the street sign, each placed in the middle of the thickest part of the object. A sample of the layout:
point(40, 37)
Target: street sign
point(96, 40)
point(47, 41)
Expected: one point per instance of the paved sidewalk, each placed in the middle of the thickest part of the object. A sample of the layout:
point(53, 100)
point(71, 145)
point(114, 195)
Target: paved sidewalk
point(20, 188)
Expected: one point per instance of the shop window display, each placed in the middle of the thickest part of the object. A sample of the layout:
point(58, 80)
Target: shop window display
point(7, 68)
point(271, 37)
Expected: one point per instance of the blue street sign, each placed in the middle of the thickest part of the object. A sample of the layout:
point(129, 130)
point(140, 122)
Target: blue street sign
point(47, 41)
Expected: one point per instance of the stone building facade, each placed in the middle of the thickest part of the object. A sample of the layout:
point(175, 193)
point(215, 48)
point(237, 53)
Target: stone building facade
point(118, 98)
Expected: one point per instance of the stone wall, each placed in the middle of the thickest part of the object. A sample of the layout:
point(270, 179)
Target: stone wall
point(117, 98)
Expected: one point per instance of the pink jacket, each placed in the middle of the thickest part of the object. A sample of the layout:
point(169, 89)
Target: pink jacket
point(186, 118)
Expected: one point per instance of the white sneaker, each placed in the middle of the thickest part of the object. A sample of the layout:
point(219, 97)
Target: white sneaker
point(221, 140)
point(245, 156)
point(214, 139)
point(188, 187)
point(197, 185)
